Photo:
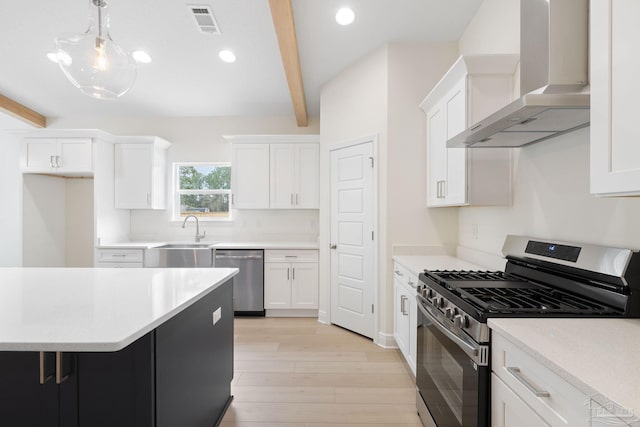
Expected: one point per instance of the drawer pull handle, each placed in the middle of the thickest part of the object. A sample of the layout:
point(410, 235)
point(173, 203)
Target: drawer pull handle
point(516, 373)
point(398, 273)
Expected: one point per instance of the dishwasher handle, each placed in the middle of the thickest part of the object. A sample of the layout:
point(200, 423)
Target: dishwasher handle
point(238, 256)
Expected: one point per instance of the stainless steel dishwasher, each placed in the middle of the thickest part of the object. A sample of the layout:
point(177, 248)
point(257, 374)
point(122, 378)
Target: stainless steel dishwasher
point(248, 285)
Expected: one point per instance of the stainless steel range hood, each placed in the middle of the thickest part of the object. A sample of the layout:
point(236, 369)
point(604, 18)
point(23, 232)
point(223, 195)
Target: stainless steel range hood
point(553, 79)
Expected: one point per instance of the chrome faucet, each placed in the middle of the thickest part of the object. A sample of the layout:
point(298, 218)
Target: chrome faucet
point(198, 235)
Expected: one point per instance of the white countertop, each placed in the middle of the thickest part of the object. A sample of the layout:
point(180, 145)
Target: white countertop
point(600, 357)
point(94, 309)
point(416, 264)
point(217, 245)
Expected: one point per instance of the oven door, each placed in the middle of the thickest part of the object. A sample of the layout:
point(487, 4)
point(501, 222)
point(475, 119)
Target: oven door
point(452, 373)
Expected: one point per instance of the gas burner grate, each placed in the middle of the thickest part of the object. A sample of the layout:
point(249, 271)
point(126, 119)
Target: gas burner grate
point(539, 300)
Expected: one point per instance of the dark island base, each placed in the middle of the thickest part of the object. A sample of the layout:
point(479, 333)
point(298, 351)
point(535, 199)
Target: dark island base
point(178, 375)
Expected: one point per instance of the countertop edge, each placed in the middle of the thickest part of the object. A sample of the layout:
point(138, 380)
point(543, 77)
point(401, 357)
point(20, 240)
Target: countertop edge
point(216, 245)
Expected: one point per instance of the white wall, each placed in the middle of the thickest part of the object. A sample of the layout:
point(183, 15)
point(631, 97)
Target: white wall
point(44, 236)
point(379, 95)
point(11, 196)
point(198, 140)
point(79, 223)
point(551, 179)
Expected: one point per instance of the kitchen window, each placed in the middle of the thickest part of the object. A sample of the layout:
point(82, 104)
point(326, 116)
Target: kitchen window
point(203, 190)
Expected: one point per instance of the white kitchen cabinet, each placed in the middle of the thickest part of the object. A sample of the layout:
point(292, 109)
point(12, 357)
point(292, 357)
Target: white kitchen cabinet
point(291, 280)
point(474, 87)
point(615, 88)
point(275, 171)
point(509, 410)
point(294, 176)
point(119, 258)
point(250, 176)
point(405, 313)
point(64, 156)
point(550, 397)
point(140, 173)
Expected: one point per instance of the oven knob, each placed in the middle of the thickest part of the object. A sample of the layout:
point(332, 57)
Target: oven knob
point(434, 301)
point(461, 321)
point(452, 312)
point(449, 313)
point(442, 302)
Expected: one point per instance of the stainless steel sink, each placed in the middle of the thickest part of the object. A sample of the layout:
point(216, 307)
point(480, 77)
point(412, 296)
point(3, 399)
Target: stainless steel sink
point(180, 255)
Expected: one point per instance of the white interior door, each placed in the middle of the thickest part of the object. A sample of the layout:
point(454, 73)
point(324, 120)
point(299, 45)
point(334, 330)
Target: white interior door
point(352, 226)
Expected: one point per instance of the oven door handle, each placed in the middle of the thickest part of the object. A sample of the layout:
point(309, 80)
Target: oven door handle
point(473, 351)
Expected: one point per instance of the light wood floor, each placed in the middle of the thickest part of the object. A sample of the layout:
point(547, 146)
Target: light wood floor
point(301, 373)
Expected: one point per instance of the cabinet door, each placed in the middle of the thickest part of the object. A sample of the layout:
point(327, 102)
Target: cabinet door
point(250, 176)
point(304, 285)
point(455, 106)
point(412, 306)
point(401, 319)
point(436, 155)
point(281, 173)
point(307, 176)
point(26, 402)
point(615, 152)
point(508, 410)
point(39, 154)
point(277, 285)
point(75, 155)
point(133, 176)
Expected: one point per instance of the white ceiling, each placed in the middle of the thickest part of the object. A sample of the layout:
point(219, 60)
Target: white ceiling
point(186, 78)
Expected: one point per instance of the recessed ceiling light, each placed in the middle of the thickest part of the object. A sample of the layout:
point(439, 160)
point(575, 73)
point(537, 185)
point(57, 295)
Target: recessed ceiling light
point(59, 56)
point(345, 16)
point(227, 56)
point(141, 56)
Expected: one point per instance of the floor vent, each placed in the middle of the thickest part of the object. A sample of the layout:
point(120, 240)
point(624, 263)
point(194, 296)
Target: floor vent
point(204, 18)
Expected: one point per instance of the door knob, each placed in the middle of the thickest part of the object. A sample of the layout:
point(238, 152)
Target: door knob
point(333, 246)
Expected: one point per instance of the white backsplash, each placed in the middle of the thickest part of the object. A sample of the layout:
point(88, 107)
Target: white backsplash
point(247, 225)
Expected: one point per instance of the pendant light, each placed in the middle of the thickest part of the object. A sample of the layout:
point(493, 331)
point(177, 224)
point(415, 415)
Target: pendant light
point(92, 61)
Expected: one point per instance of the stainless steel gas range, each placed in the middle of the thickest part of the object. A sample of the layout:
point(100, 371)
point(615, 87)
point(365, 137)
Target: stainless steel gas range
point(541, 279)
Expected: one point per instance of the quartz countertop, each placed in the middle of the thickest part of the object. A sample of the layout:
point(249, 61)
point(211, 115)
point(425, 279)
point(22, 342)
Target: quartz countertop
point(217, 245)
point(417, 264)
point(95, 309)
point(600, 357)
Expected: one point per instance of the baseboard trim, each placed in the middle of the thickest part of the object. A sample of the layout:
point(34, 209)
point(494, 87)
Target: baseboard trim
point(323, 317)
point(291, 313)
point(386, 340)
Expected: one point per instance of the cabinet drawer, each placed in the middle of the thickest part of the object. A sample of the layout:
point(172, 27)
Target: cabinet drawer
point(302, 255)
point(120, 255)
point(404, 276)
point(119, 265)
point(558, 402)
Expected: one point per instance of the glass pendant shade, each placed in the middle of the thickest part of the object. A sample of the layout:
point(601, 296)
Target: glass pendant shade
point(92, 61)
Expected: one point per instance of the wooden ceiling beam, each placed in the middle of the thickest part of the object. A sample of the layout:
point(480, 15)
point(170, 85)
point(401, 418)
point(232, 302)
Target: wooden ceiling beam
point(282, 14)
point(21, 112)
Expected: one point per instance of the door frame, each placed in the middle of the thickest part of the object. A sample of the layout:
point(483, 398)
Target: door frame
point(373, 139)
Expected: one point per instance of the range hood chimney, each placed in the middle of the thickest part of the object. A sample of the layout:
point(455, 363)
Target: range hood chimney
point(553, 79)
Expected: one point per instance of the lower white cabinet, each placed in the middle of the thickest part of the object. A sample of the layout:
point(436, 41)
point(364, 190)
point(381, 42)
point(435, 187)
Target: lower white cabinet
point(405, 316)
point(549, 400)
point(509, 410)
point(291, 279)
point(119, 258)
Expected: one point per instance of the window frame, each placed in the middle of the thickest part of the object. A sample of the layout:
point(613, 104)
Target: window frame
point(177, 192)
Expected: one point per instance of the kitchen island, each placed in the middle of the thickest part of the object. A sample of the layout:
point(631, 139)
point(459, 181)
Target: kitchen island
point(126, 347)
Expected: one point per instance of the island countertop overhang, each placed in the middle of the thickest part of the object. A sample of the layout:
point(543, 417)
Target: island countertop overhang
point(95, 309)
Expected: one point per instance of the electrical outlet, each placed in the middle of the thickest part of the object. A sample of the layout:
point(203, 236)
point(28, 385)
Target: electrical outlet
point(217, 315)
point(474, 231)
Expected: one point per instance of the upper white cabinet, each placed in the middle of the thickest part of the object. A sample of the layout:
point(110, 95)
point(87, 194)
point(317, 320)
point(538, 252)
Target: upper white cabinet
point(473, 88)
point(275, 171)
point(66, 156)
point(294, 176)
point(140, 173)
point(615, 87)
point(250, 176)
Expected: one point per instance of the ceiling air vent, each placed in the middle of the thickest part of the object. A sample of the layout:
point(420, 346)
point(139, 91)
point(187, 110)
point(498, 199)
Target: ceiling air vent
point(204, 18)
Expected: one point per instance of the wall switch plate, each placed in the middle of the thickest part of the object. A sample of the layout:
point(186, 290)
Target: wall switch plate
point(217, 315)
